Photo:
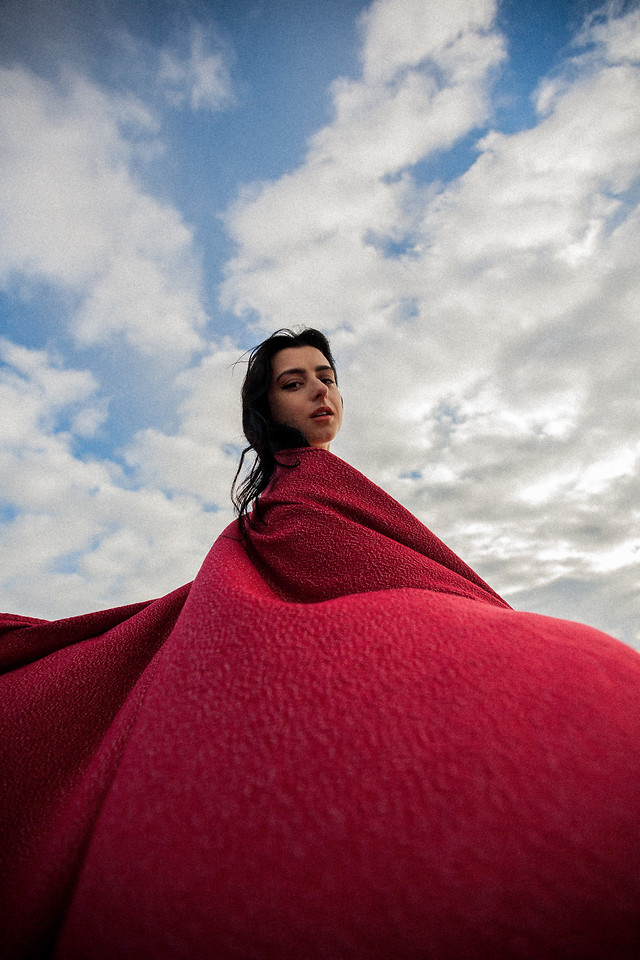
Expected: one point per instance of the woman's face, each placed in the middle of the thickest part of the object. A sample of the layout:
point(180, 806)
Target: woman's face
point(303, 394)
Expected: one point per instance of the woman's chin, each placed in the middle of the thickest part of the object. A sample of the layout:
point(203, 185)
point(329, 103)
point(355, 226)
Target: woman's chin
point(322, 438)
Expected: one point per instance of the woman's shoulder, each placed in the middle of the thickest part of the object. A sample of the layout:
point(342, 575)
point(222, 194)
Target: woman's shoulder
point(322, 473)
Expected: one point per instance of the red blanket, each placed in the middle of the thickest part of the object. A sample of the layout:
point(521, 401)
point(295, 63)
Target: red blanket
point(338, 743)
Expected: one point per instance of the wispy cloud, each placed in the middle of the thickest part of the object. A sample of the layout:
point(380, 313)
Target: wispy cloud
point(199, 79)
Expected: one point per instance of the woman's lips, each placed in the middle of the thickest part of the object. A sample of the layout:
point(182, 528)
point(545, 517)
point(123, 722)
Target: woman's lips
point(323, 413)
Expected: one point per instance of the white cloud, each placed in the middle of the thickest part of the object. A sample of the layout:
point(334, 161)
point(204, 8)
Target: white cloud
point(72, 213)
point(34, 389)
point(200, 458)
point(201, 80)
point(402, 34)
point(498, 346)
point(306, 238)
point(84, 531)
point(616, 39)
point(81, 534)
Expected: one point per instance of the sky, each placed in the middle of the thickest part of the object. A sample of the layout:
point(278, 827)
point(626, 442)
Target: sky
point(450, 191)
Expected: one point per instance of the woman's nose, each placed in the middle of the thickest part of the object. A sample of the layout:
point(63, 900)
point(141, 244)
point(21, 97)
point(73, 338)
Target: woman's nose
point(321, 389)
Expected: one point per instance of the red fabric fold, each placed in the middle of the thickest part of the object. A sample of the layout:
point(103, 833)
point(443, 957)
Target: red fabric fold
point(324, 530)
point(388, 763)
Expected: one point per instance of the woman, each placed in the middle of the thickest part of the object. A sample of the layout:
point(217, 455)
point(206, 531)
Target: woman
point(338, 742)
point(290, 398)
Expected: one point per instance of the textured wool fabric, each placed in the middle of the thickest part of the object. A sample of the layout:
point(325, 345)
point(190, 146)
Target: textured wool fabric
point(336, 743)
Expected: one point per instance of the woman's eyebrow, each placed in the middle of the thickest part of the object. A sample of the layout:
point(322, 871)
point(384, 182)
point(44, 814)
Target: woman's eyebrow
point(300, 371)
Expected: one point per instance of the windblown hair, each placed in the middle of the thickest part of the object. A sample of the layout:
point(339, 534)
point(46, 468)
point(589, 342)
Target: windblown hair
point(266, 437)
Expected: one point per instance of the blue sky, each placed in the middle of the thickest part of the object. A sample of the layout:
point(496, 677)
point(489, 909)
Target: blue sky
point(449, 191)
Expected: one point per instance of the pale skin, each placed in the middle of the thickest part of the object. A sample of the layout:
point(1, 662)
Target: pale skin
point(304, 394)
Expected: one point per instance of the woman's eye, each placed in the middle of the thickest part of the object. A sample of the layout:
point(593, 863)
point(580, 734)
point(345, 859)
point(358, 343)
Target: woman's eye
point(291, 385)
point(328, 380)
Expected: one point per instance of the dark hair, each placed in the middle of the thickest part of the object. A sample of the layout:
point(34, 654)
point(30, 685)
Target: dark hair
point(265, 436)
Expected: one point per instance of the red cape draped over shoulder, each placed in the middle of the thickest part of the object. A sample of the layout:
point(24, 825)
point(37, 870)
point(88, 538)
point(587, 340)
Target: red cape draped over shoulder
point(336, 743)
